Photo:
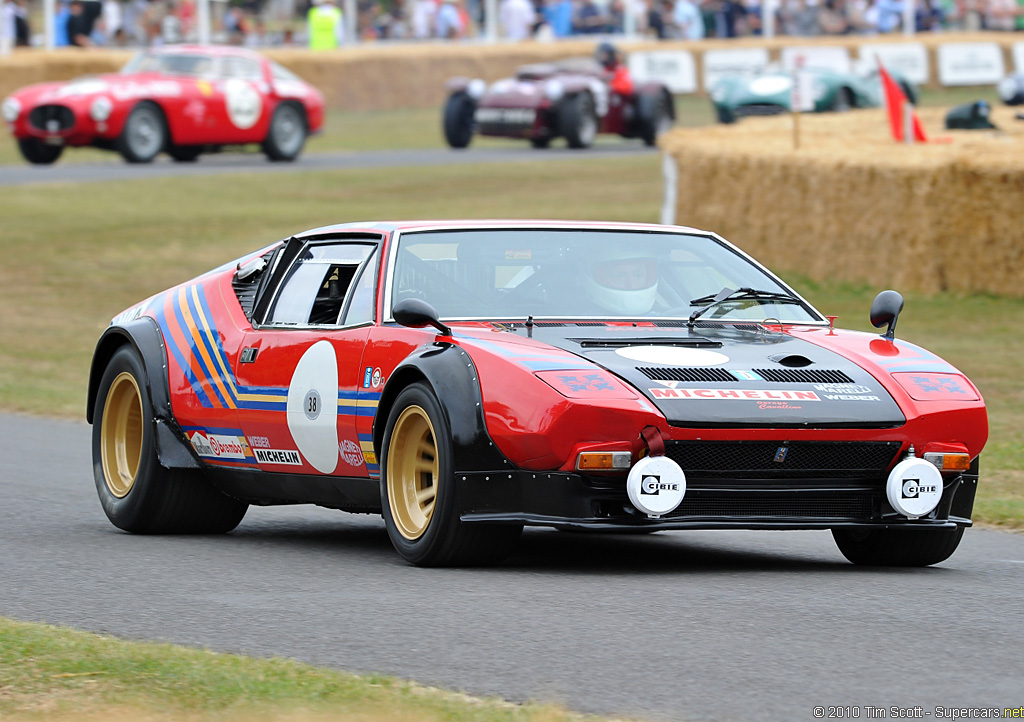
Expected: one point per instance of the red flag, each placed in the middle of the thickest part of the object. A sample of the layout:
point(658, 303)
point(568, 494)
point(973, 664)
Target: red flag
point(895, 101)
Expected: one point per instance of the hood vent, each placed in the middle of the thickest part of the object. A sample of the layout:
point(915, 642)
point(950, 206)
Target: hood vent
point(694, 375)
point(704, 325)
point(708, 374)
point(804, 376)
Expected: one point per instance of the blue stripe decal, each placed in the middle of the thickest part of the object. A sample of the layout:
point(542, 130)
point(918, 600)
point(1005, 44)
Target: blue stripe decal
point(169, 341)
point(186, 331)
point(534, 361)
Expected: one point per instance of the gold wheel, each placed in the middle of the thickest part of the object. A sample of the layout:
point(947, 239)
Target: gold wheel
point(121, 434)
point(412, 472)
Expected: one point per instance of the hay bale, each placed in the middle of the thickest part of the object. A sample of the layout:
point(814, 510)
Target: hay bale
point(851, 204)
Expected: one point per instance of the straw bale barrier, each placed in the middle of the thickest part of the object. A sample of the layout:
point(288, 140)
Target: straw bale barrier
point(853, 205)
point(388, 76)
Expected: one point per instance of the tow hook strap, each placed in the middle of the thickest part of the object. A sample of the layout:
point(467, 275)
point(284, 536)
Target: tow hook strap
point(655, 443)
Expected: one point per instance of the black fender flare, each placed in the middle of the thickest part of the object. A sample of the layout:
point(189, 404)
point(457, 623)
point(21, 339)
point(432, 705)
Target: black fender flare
point(143, 333)
point(450, 372)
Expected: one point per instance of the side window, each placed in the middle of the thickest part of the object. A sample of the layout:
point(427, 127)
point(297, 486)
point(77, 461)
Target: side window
point(244, 68)
point(313, 292)
point(363, 306)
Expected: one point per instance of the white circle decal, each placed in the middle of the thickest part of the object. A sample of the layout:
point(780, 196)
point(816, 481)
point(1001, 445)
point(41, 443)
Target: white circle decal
point(914, 488)
point(770, 85)
point(672, 355)
point(243, 103)
point(313, 406)
point(656, 485)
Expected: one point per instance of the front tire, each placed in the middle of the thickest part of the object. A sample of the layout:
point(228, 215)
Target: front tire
point(137, 493)
point(287, 134)
point(578, 121)
point(37, 152)
point(459, 110)
point(418, 494)
point(144, 134)
point(897, 547)
point(843, 101)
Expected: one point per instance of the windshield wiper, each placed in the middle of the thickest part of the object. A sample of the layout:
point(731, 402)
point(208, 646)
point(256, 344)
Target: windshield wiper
point(740, 294)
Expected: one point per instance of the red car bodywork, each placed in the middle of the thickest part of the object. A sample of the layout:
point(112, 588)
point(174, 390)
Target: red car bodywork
point(521, 409)
point(215, 109)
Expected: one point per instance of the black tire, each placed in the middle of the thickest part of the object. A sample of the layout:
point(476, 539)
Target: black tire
point(37, 152)
point(137, 493)
point(185, 153)
point(457, 121)
point(287, 133)
point(843, 101)
point(541, 143)
point(144, 135)
point(724, 115)
point(577, 120)
point(655, 117)
point(897, 547)
point(418, 493)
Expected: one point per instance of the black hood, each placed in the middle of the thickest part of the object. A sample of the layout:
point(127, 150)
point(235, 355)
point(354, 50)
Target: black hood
point(729, 375)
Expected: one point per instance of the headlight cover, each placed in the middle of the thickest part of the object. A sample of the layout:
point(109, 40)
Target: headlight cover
point(554, 89)
point(10, 109)
point(100, 109)
point(476, 89)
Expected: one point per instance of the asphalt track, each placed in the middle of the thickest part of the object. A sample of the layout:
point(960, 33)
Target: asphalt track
point(672, 626)
point(115, 169)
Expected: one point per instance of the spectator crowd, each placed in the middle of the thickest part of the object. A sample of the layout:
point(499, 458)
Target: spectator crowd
point(320, 23)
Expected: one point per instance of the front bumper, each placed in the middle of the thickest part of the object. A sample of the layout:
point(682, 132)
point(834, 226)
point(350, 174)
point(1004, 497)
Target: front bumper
point(570, 500)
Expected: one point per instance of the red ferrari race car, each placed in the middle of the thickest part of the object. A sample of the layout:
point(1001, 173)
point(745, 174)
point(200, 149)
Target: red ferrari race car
point(464, 379)
point(185, 100)
point(575, 99)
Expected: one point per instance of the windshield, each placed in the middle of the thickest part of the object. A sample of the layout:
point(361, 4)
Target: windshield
point(171, 63)
point(566, 273)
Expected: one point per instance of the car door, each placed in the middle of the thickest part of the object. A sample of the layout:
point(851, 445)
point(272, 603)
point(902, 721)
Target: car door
point(300, 365)
point(238, 108)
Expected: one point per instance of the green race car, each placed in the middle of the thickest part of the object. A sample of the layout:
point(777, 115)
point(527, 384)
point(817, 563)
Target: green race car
point(768, 92)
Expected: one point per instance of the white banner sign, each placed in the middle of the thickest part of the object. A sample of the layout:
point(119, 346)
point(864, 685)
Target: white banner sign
point(1018, 57)
point(675, 68)
point(718, 63)
point(970, 64)
point(908, 59)
point(837, 59)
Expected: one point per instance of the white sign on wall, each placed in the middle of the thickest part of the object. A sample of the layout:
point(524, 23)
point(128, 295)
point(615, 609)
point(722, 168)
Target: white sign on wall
point(718, 63)
point(829, 58)
point(675, 68)
point(970, 64)
point(1018, 57)
point(908, 59)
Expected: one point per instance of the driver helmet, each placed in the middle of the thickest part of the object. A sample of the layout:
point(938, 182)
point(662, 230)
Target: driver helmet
point(622, 280)
point(607, 55)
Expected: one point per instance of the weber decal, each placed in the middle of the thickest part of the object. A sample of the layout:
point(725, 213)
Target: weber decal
point(846, 392)
point(778, 395)
point(289, 457)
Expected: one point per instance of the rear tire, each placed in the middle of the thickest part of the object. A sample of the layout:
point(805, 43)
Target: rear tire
point(137, 493)
point(144, 134)
point(459, 110)
point(655, 117)
point(897, 547)
point(37, 152)
point(578, 120)
point(418, 493)
point(287, 133)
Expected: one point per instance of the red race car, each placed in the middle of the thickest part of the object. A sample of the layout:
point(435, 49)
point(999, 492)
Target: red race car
point(464, 379)
point(574, 99)
point(184, 100)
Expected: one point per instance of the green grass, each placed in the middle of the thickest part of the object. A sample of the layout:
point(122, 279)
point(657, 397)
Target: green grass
point(49, 673)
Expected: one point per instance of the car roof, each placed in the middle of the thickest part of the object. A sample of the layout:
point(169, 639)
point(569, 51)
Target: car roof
point(492, 224)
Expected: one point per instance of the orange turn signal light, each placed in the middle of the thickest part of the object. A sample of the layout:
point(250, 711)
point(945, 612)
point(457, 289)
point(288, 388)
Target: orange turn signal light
point(603, 460)
point(949, 461)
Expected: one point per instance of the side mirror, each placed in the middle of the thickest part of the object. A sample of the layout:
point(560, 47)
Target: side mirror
point(417, 313)
point(885, 309)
